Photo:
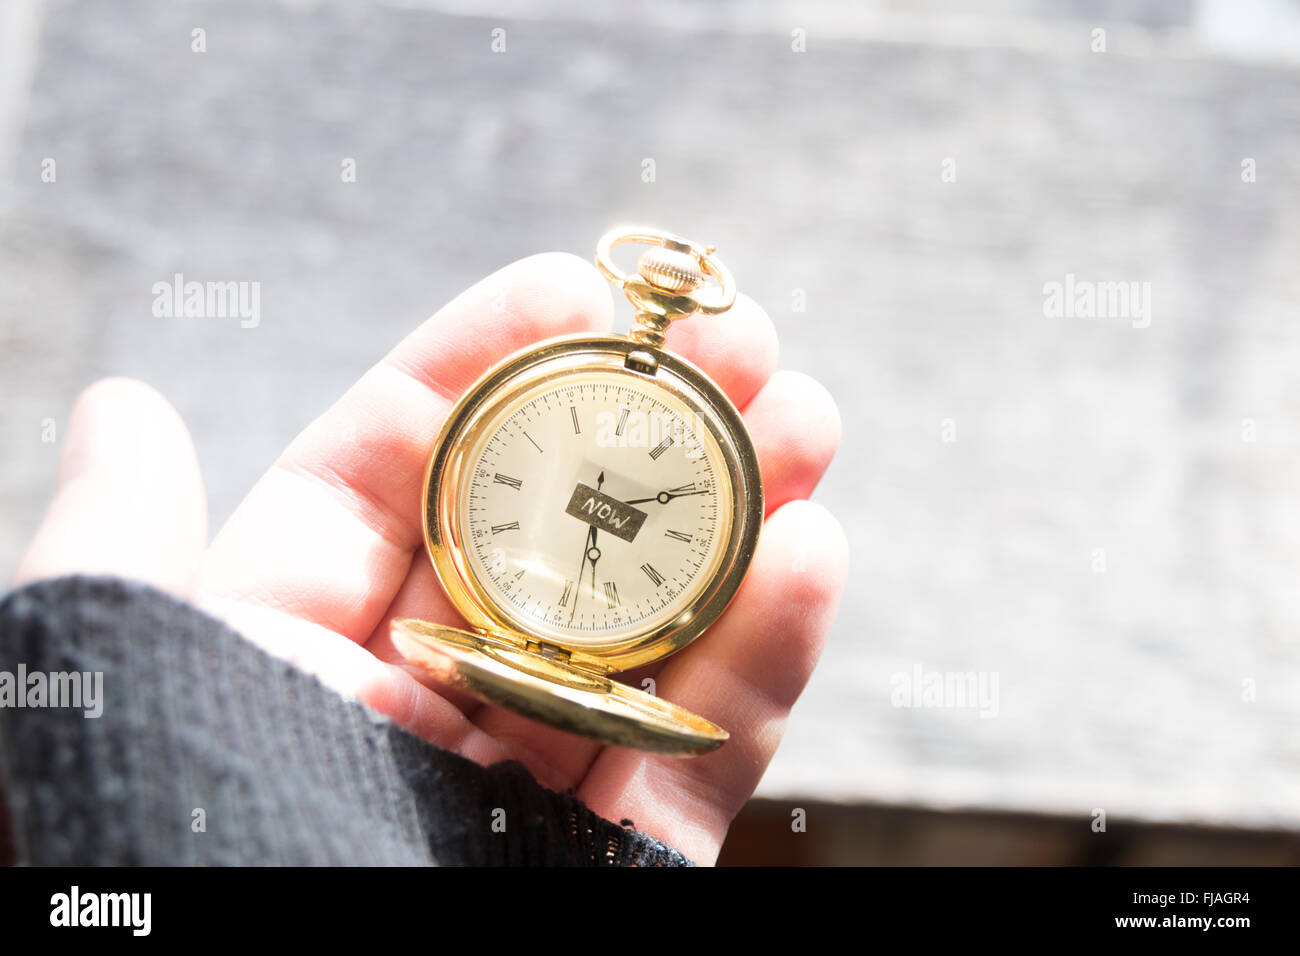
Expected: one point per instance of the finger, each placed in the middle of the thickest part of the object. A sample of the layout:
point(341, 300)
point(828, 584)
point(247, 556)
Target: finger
point(557, 759)
point(328, 533)
point(421, 596)
point(745, 673)
point(129, 499)
point(737, 349)
point(442, 714)
point(795, 426)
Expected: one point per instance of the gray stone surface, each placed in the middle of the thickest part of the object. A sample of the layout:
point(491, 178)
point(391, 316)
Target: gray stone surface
point(1075, 440)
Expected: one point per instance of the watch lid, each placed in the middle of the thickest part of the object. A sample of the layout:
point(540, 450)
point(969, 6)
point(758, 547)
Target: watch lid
point(549, 689)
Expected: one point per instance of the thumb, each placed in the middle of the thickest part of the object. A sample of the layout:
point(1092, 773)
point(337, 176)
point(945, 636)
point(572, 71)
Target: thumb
point(129, 499)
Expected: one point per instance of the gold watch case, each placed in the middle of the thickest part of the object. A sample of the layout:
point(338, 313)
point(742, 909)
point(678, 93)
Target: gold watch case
point(566, 683)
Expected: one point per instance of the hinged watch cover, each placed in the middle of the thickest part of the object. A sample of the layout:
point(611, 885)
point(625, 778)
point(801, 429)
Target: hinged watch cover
point(498, 671)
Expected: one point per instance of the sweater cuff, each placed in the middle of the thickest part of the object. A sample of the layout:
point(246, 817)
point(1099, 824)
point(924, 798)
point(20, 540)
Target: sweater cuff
point(136, 729)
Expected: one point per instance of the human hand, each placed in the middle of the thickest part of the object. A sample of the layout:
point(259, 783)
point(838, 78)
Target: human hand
point(327, 548)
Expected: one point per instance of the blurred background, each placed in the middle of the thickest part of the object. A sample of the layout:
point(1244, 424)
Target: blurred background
point(1044, 254)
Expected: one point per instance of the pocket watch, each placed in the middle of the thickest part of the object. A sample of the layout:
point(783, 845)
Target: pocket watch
point(591, 505)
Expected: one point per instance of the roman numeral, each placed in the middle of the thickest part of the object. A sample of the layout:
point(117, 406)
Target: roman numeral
point(682, 489)
point(564, 598)
point(662, 447)
point(611, 594)
point(678, 536)
point(512, 526)
point(573, 412)
point(652, 574)
point(622, 421)
point(520, 573)
point(509, 482)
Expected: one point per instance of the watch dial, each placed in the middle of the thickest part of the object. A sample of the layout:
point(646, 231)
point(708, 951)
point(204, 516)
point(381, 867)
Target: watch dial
point(594, 507)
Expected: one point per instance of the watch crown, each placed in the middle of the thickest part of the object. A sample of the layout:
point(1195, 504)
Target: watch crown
point(670, 270)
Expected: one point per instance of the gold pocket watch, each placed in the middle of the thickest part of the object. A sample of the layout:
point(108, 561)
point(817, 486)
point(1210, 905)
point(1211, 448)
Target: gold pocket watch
point(592, 505)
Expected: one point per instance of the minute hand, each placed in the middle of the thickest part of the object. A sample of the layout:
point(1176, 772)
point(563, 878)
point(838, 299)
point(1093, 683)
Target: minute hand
point(665, 496)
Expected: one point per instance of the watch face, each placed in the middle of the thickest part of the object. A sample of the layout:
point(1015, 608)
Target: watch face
point(593, 505)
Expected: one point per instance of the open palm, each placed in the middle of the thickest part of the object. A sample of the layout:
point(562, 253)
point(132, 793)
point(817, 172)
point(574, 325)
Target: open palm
point(327, 548)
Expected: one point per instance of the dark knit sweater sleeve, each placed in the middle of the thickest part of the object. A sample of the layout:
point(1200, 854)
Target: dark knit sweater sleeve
point(210, 751)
